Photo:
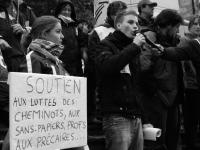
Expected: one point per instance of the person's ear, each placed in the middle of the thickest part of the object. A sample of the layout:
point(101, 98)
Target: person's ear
point(44, 35)
point(118, 25)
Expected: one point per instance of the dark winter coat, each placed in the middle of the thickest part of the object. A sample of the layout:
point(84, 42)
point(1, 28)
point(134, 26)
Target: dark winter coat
point(145, 24)
point(12, 56)
point(71, 56)
point(190, 50)
point(115, 69)
point(163, 80)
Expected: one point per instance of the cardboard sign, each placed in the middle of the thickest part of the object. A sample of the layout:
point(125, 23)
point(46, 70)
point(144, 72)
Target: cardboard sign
point(100, 11)
point(47, 111)
point(186, 8)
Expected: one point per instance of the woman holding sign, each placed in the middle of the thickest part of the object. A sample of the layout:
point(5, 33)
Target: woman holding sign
point(44, 49)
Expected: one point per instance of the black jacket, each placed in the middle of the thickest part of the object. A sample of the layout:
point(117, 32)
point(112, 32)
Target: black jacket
point(71, 55)
point(190, 50)
point(116, 84)
point(15, 55)
point(164, 79)
point(145, 24)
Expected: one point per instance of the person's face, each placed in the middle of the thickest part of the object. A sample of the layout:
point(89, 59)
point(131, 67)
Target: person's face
point(129, 25)
point(66, 11)
point(55, 35)
point(195, 28)
point(148, 10)
point(170, 32)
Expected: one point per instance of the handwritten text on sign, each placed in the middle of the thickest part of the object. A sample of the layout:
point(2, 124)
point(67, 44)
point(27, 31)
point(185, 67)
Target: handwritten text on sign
point(47, 111)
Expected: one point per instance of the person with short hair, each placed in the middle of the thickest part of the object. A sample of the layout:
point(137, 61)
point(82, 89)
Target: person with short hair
point(116, 72)
point(97, 35)
point(145, 17)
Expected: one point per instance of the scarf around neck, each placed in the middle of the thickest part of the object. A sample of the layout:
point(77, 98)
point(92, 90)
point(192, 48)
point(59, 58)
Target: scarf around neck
point(65, 19)
point(47, 48)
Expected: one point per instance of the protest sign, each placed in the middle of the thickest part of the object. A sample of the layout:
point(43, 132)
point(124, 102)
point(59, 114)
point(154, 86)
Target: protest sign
point(100, 11)
point(47, 111)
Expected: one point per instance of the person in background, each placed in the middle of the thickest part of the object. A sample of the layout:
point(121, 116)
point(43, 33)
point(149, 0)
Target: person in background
point(145, 17)
point(27, 14)
point(4, 88)
point(97, 35)
point(71, 55)
point(116, 70)
point(83, 31)
point(26, 19)
point(13, 54)
point(191, 103)
point(161, 84)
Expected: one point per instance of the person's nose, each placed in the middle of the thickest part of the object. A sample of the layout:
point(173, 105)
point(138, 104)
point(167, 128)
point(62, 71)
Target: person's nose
point(61, 36)
point(135, 27)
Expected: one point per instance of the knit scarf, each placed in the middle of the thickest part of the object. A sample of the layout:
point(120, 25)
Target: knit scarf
point(49, 49)
point(65, 19)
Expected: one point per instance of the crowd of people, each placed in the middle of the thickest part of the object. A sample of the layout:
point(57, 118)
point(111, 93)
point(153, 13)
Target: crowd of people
point(138, 67)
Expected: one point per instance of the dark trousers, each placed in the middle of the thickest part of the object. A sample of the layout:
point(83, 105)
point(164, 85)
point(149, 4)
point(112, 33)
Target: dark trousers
point(191, 113)
point(165, 118)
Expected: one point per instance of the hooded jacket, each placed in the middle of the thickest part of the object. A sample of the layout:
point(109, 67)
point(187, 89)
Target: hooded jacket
point(71, 56)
